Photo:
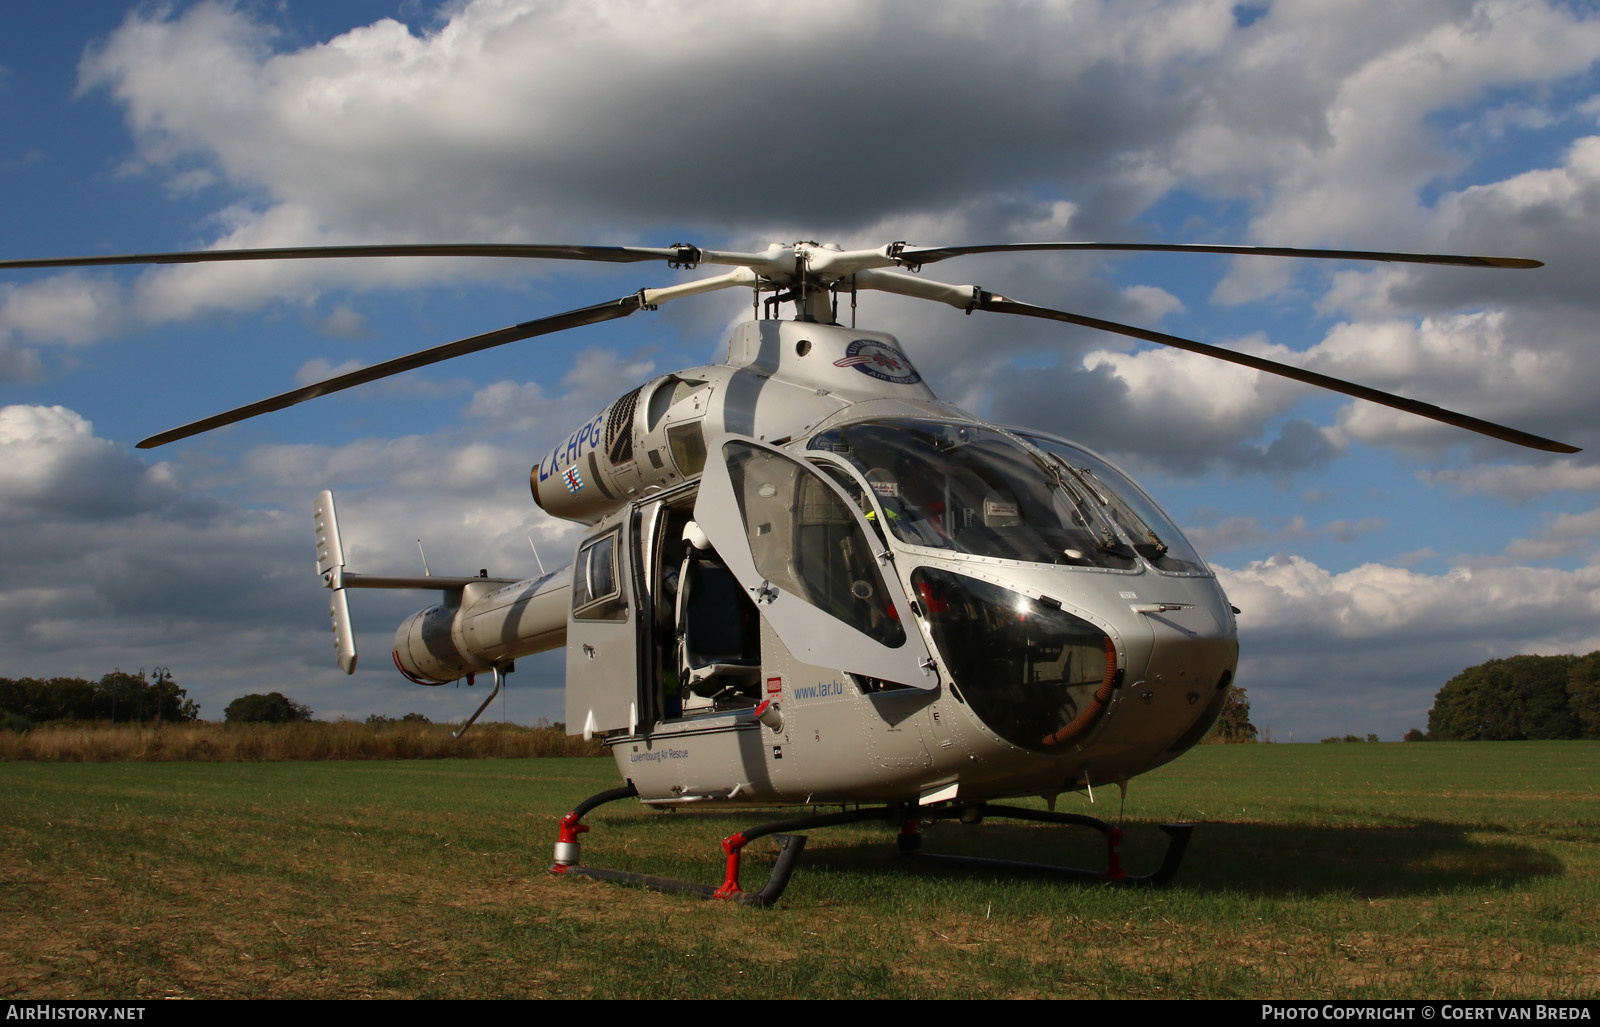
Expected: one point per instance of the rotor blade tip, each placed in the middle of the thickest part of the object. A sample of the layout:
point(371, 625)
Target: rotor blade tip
point(1515, 263)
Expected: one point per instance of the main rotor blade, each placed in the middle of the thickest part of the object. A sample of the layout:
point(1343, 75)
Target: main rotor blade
point(1001, 305)
point(607, 311)
point(611, 254)
point(917, 257)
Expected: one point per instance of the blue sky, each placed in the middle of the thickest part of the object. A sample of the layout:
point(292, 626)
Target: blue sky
point(1374, 555)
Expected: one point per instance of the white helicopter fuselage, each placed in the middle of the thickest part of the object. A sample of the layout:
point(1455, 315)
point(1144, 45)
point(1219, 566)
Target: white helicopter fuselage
point(808, 580)
point(805, 579)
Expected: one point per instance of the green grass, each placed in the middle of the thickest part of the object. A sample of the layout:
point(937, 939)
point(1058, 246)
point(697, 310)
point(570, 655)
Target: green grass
point(1422, 870)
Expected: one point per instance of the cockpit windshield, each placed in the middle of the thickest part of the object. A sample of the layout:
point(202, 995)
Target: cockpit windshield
point(977, 490)
point(1152, 533)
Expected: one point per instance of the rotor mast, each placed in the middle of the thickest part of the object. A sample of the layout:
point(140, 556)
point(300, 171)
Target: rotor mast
point(807, 274)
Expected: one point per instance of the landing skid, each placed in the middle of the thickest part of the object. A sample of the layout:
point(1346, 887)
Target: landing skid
point(568, 850)
point(1177, 845)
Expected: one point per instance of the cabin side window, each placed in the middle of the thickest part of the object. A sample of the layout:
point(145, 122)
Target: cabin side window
point(596, 591)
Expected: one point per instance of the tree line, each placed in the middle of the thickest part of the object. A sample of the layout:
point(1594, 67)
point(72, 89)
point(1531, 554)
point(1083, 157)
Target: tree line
point(118, 696)
point(1521, 697)
point(121, 697)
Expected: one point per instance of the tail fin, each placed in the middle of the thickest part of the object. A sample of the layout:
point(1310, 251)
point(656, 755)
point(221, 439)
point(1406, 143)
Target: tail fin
point(330, 564)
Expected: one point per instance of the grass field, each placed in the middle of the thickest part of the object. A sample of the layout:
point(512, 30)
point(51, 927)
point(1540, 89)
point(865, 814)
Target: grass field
point(1421, 870)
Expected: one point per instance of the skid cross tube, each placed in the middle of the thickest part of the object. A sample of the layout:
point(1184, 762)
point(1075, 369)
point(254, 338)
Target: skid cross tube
point(909, 841)
point(789, 848)
point(1177, 844)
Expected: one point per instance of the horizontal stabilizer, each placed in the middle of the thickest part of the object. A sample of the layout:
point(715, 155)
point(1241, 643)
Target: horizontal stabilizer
point(440, 582)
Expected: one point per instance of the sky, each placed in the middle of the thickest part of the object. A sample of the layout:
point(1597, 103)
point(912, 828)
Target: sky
point(1373, 555)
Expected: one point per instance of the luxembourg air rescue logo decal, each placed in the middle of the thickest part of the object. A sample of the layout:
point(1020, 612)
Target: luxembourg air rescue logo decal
point(881, 361)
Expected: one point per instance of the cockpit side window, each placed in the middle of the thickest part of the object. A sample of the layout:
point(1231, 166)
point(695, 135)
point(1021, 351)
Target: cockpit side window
point(807, 541)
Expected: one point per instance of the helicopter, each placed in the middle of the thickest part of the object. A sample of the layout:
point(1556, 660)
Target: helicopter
point(805, 580)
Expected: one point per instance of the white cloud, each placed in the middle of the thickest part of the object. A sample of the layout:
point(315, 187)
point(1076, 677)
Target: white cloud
point(106, 561)
point(1290, 599)
point(73, 308)
point(1182, 411)
point(1349, 531)
point(858, 122)
point(1153, 304)
point(52, 465)
point(1560, 536)
point(1367, 649)
point(1469, 363)
point(513, 138)
point(473, 128)
point(1362, 171)
point(344, 323)
point(1550, 214)
point(1518, 483)
point(1509, 117)
point(20, 364)
point(1239, 532)
point(318, 369)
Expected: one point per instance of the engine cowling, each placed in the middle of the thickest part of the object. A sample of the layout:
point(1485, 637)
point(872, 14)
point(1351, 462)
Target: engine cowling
point(653, 437)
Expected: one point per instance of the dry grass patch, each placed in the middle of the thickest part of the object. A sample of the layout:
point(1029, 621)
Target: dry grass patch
point(95, 742)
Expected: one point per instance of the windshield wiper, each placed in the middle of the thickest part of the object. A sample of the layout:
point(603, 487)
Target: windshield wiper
point(1120, 510)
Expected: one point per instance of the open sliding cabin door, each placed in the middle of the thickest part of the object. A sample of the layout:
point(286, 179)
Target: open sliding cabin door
point(803, 552)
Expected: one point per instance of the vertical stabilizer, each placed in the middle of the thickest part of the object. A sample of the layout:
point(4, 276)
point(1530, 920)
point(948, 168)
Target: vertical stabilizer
point(330, 564)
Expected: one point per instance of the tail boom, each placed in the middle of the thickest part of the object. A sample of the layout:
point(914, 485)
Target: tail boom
point(480, 623)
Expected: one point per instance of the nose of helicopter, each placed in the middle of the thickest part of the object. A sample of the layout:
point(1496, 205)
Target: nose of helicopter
point(1139, 678)
point(1170, 702)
